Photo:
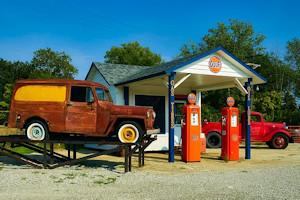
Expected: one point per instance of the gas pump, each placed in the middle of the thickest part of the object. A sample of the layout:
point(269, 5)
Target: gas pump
point(191, 142)
point(230, 131)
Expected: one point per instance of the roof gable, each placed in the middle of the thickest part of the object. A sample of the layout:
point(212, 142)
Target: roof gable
point(176, 65)
point(119, 74)
point(201, 66)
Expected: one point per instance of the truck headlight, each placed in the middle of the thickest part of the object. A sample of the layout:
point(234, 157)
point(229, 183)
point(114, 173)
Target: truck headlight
point(148, 114)
point(153, 115)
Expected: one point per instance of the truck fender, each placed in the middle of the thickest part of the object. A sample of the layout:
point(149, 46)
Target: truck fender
point(270, 135)
point(214, 130)
point(112, 124)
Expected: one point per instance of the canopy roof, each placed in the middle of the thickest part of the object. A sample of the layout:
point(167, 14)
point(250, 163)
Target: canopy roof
point(198, 66)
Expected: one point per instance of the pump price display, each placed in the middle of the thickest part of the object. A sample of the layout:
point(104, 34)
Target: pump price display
point(233, 121)
point(194, 119)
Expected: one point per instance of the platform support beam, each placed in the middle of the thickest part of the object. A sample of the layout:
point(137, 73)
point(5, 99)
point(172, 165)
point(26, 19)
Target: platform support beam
point(57, 159)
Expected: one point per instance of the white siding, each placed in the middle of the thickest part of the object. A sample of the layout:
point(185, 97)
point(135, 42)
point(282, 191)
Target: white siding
point(201, 67)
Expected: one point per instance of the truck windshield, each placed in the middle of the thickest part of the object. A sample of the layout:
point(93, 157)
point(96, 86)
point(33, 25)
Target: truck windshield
point(103, 95)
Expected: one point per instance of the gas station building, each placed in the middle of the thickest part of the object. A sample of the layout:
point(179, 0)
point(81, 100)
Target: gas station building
point(165, 88)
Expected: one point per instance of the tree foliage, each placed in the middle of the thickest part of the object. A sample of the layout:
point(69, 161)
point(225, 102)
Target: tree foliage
point(237, 37)
point(132, 53)
point(293, 53)
point(293, 59)
point(52, 64)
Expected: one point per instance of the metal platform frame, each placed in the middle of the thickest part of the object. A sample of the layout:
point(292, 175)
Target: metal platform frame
point(52, 159)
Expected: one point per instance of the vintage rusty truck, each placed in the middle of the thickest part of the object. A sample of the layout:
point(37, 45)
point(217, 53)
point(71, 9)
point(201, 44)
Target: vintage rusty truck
point(41, 107)
point(275, 135)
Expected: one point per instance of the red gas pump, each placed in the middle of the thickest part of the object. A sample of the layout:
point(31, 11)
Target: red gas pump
point(191, 142)
point(230, 131)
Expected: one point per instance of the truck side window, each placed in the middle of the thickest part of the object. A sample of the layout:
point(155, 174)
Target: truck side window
point(81, 94)
point(255, 118)
point(102, 95)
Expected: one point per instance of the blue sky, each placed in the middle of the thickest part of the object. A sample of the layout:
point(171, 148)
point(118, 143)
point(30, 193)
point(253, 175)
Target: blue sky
point(87, 29)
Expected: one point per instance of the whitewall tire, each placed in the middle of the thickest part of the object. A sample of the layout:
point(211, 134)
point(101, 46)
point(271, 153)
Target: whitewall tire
point(36, 131)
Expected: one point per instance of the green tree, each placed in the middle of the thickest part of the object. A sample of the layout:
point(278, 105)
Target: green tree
point(237, 37)
point(293, 59)
point(269, 104)
point(132, 53)
point(52, 64)
point(293, 53)
point(281, 77)
point(12, 71)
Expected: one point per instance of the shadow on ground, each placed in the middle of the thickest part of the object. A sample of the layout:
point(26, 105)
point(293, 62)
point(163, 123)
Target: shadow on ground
point(109, 165)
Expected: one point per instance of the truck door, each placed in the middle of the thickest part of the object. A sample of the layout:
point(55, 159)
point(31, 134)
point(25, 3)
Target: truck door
point(103, 111)
point(256, 128)
point(81, 111)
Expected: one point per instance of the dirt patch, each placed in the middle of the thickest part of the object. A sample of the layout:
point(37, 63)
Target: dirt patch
point(261, 156)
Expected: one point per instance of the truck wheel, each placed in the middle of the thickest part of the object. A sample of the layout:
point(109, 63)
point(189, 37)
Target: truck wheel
point(279, 141)
point(129, 132)
point(269, 144)
point(37, 130)
point(213, 140)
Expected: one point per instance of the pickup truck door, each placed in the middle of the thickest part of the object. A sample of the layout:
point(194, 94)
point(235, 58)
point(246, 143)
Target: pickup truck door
point(81, 111)
point(256, 127)
point(103, 111)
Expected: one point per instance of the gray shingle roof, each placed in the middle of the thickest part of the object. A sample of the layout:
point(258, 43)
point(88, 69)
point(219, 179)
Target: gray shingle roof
point(155, 70)
point(118, 74)
point(114, 73)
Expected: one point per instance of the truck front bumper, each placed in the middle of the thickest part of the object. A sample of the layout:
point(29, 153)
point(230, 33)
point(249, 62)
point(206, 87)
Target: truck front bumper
point(153, 131)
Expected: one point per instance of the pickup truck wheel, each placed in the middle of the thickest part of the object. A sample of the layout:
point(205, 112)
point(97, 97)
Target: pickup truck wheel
point(37, 130)
point(129, 132)
point(269, 144)
point(213, 140)
point(279, 141)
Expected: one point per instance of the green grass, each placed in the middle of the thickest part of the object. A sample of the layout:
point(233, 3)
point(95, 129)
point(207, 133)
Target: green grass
point(22, 150)
point(106, 181)
point(69, 176)
point(61, 180)
point(83, 174)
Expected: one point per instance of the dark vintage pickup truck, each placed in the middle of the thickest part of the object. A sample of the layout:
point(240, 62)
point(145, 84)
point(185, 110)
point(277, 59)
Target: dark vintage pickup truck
point(275, 135)
point(76, 107)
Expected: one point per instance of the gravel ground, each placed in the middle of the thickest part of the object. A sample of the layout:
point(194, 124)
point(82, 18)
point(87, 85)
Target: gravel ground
point(262, 181)
point(80, 183)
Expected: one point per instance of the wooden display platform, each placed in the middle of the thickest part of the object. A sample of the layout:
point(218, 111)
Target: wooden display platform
point(52, 159)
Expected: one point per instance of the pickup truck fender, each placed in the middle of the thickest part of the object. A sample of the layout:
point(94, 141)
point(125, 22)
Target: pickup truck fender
point(112, 124)
point(270, 135)
point(214, 130)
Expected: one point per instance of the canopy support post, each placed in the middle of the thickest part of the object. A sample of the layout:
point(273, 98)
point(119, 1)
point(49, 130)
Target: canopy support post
point(171, 98)
point(247, 122)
